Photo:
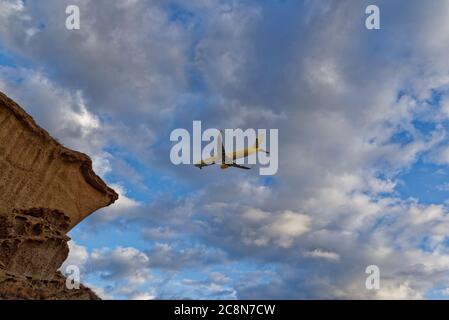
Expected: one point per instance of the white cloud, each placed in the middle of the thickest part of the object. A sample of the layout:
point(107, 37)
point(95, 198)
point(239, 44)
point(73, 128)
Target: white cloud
point(142, 296)
point(10, 7)
point(123, 206)
point(159, 233)
point(402, 291)
point(101, 292)
point(445, 291)
point(78, 256)
point(338, 114)
point(288, 226)
point(62, 112)
point(128, 264)
point(317, 253)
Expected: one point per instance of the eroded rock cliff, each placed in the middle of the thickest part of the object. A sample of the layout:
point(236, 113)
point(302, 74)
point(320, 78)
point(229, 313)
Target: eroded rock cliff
point(45, 190)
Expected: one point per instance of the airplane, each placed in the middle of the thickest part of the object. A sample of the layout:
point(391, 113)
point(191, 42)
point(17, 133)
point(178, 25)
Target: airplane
point(228, 159)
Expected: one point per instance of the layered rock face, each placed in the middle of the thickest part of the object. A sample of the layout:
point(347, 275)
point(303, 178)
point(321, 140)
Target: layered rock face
point(45, 190)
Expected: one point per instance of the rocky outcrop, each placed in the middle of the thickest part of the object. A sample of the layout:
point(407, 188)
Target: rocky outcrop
point(45, 190)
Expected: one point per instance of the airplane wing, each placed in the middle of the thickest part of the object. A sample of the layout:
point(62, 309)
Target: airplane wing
point(223, 154)
point(239, 166)
point(207, 162)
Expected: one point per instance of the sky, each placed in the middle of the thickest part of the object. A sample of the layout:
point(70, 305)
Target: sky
point(363, 119)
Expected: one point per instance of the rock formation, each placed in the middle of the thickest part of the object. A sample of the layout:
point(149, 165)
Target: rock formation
point(45, 190)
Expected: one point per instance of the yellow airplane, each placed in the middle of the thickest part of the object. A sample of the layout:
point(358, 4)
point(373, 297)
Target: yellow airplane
point(228, 159)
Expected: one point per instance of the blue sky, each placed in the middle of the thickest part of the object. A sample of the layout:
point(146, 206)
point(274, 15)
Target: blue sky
point(362, 116)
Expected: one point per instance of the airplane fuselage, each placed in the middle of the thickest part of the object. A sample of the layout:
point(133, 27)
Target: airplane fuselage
point(241, 153)
point(232, 156)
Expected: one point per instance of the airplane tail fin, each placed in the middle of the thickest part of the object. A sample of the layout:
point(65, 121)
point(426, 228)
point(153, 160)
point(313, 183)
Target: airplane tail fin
point(259, 141)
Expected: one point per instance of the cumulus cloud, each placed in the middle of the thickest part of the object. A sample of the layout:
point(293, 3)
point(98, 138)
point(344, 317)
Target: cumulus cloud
point(167, 257)
point(124, 270)
point(78, 256)
point(355, 110)
point(61, 111)
point(282, 228)
point(400, 292)
point(9, 8)
point(121, 207)
point(121, 263)
point(317, 253)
